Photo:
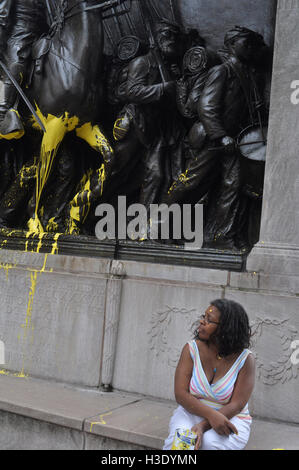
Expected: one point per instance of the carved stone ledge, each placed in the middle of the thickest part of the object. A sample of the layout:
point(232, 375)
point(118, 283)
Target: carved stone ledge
point(288, 4)
point(126, 250)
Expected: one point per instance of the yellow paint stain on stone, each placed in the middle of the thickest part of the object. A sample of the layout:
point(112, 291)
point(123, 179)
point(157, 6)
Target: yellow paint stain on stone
point(27, 326)
point(55, 244)
point(101, 420)
point(6, 267)
point(21, 375)
point(14, 374)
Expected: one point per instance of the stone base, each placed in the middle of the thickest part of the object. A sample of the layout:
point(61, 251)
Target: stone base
point(38, 415)
point(275, 259)
point(94, 322)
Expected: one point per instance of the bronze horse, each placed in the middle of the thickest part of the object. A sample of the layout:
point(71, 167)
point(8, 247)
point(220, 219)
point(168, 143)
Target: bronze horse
point(67, 94)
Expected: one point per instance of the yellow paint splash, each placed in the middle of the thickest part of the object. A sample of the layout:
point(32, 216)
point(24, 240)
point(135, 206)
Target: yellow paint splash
point(101, 417)
point(56, 128)
point(90, 187)
point(95, 138)
point(13, 135)
point(52, 226)
point(183, 178)
point(27, 172)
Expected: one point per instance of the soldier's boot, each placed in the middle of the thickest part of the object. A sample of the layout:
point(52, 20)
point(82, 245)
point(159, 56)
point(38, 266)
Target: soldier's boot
point(11, 126)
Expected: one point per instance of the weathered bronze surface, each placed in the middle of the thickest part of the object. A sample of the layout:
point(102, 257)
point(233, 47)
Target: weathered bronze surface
point(129, 100)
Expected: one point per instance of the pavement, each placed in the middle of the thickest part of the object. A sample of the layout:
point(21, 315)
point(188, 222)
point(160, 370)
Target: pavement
point(129, 420)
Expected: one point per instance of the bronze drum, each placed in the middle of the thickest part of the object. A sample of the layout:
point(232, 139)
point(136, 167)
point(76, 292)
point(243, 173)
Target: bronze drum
point(252, 144)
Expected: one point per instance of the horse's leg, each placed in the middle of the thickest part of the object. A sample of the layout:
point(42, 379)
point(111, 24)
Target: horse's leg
point(97, 140)
point(60, 188)
point(12, 202)
point(94, 185)
point(56, 128)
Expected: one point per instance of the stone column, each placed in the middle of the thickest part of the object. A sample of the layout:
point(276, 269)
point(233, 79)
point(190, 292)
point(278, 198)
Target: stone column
point(278, 249)
point(112, 311)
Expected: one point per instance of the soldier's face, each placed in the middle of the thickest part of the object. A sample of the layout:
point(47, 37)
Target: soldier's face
point(167, 40)
point(244, 49)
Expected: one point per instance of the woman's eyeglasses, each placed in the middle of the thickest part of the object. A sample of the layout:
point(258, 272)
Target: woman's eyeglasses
point(207, 320)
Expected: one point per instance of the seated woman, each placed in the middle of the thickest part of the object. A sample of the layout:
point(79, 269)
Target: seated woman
point(214, 380)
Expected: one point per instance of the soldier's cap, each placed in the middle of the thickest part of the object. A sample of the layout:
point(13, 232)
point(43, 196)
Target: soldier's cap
point(242, 32)
point(164, 23)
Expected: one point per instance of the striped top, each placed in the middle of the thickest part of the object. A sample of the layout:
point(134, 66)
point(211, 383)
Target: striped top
point(219, 393)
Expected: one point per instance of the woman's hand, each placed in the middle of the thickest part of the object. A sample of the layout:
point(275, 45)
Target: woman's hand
point(221, 424)
point(198, 429)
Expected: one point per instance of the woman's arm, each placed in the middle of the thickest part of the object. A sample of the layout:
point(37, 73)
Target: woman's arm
point(192, 404)
point(242, 391)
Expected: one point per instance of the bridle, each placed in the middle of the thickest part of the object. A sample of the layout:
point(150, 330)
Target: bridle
point(61, 14)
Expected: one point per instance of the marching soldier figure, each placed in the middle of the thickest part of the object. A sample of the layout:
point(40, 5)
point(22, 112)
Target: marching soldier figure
point(155, 116)
point(226, 107)
point(22, 22)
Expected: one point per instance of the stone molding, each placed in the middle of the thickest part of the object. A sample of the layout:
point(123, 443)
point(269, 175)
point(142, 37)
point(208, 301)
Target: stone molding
point(112, 314)
point(271, 257)
point(280, 370)
point(269, 372)
point(158, 334)
point(288, 4)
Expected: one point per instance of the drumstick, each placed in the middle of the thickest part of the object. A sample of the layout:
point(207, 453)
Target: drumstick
point(256, 97)
point(239, 145)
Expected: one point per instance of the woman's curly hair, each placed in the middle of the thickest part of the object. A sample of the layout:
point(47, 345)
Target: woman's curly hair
point(233, 332)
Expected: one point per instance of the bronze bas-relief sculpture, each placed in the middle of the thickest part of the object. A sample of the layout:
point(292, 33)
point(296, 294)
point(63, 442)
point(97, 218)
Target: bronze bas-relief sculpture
point(165, 120)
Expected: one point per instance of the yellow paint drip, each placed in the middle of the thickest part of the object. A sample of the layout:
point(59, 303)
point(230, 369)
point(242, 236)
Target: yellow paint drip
point(56, 128)
point(52, 226)
point(55, 244)
point(101, 420)
point(6, 267)
point(28, 326)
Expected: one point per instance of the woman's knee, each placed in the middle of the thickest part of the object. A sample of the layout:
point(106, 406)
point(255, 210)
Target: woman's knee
point(213, 441)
